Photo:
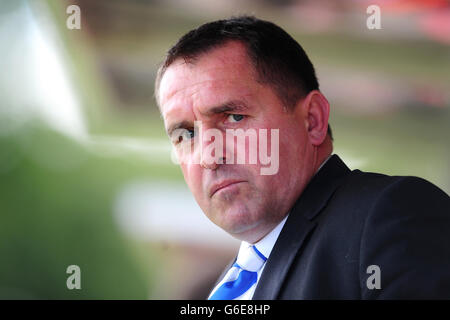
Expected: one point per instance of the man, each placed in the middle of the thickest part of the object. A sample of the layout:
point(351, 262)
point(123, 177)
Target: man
point(313, 229)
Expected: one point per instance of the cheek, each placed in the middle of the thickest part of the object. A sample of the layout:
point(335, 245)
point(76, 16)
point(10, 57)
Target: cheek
point(193, 177)
point(291, 152)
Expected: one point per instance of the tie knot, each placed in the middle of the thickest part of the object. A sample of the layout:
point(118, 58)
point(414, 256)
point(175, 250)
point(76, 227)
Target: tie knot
point(251, 259)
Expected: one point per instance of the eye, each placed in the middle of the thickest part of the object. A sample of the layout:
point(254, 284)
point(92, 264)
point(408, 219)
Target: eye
point(235, 117)
point(182, 135)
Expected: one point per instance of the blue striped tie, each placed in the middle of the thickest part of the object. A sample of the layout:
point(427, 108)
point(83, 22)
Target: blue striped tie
point(242, 275)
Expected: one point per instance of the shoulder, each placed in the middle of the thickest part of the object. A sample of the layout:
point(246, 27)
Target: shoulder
point(374, 202)
point(405, 232)
point(374, 189)
point(366, 200)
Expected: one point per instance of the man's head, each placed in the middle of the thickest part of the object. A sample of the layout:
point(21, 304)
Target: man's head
point(244, 73)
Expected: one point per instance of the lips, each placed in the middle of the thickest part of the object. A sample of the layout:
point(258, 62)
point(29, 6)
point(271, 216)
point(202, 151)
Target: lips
point(222, 185)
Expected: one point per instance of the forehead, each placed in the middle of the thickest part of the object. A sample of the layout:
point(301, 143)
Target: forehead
point(221, 73)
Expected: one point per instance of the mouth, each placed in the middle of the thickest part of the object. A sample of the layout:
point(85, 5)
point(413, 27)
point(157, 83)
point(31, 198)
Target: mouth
point(225, 184)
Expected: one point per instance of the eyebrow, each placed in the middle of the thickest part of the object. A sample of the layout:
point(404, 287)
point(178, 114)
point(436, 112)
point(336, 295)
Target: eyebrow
point(179, 125)
point(229, 106)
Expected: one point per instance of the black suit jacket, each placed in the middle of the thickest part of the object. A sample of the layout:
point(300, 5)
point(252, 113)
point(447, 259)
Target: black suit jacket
point(346, 221)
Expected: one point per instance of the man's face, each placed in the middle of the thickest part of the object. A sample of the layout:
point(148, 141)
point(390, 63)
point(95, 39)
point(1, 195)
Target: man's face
point(221, 90)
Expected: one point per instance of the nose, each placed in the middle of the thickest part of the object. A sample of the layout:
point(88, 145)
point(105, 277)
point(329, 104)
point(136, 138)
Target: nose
point(211, 166)
point(210, 161)
point(213, 151)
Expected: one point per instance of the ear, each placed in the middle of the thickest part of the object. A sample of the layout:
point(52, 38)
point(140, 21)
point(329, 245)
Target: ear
point(317, 111)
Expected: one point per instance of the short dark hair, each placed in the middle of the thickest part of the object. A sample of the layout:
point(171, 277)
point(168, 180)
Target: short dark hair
point(279, 60)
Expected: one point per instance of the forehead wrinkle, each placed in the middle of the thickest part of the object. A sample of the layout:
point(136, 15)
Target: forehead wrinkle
point(211, 81)
point(209, 72)
point(176, 91)
point(184, 85)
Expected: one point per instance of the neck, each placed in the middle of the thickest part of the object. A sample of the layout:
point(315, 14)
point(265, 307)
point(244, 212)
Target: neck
point(321, 153)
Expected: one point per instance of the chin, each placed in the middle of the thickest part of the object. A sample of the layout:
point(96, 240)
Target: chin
point(236, 220)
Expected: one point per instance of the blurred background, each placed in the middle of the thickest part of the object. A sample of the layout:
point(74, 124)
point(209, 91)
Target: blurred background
point(86, 176)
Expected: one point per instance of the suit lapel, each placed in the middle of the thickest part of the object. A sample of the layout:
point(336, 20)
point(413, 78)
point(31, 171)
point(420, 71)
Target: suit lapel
point(298, 226)
point(274, 273)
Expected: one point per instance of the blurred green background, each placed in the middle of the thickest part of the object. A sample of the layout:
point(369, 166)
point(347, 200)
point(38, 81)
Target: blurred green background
point(85, 170)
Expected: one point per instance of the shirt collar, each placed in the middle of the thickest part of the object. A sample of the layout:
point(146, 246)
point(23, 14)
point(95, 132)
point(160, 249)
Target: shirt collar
point(325, 161)
point(265, 245)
